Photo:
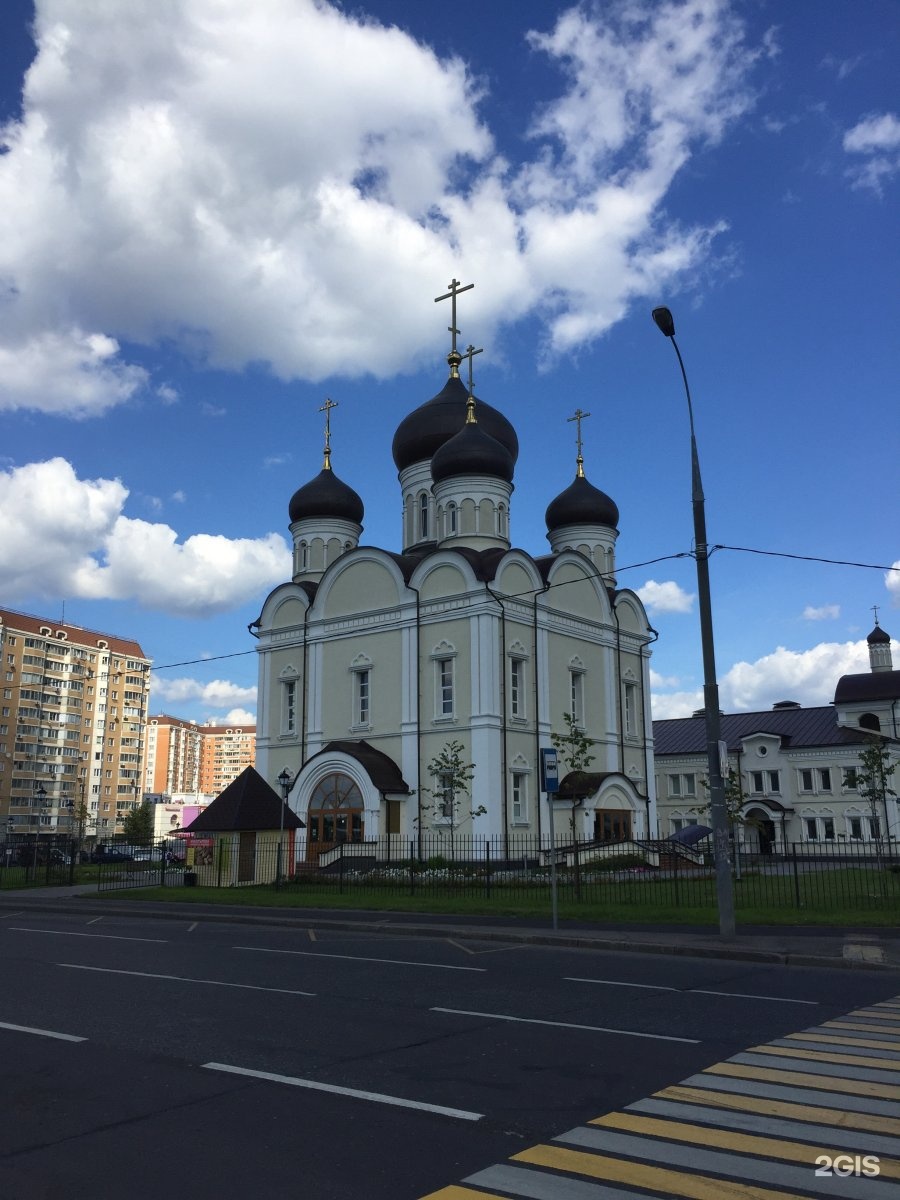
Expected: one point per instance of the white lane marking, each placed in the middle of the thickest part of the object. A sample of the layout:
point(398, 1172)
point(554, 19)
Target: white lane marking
point(62, 1037)
point(659, 987)
point(395, 962)
point(659, 1037)
point(355, 1093)
point(95, 920)
point(654, 987)
point(751, 996)
point(115, 937)
point(184, 979)
point(312, 935)
point(192, 927)
point(6, 916)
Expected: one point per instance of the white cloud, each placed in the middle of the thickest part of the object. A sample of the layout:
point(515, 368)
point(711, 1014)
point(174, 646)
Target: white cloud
point(67, 537)
point(676, 704)
point(217, 693)
point(826, 612)
point(807, 676)
point(237, 716)
point(183, 145)
point(892, 583)
point(877, 136)
point(666, 597)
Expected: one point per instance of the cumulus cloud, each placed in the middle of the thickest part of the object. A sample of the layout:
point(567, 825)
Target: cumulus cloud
point(217, 693)
point(892, 583)
point(183, 145)
point(64, 536)
point(668, 597)
point(826, 612)
point(877, 139)
point(237, 716)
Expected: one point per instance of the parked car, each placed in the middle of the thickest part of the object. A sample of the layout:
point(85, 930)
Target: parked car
point(107, 854)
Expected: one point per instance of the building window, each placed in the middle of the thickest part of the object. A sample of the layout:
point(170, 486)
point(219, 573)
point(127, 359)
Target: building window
point(874, 827)
point(289, 706)
point(684, 784)
point(765, 782)
point(445, 795)
point(849, 779)
point(519, 798)
point(517, 687)
point(631, 717)
point(825, 779)
point(451, 517)
point(423, 516)
point(445, 687)
point(854, 824)
point(828, 828)
point(806, 781)
point(361, 699)
point(576, 692)
point(812, 829)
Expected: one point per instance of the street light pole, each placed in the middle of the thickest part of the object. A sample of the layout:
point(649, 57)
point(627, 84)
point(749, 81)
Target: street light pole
point(284, 780)
point(717, 808)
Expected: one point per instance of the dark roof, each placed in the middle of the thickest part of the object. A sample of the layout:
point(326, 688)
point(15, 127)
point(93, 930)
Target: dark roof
point(878, 635)
point(581, 504)
point(795, 726)
point(326, 496)
point(382, 770)
point(472, 451)
point(871, 685)
point(420, 434)
point(247, 803)
point(578, 784)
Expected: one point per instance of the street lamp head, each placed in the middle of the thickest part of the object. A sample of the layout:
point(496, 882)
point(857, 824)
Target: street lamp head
point(284, 779)
point(665, 322)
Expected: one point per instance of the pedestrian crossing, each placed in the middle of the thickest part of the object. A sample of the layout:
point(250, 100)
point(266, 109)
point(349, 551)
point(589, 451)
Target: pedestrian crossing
point(816, 1113)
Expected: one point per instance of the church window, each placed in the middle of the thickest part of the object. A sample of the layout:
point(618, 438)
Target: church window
point(502, 524)
point(869, 721)
point(631, 715)
point(855, 824)
point(874, 828)
point(517, 687)
point(445, 807)
point(825, 779)
point(519, 798)
point(289, 706)
point(683, 784)
point(576, 692)
point(304, 556)
point(451, 517)
point(445, 687)
point(362, 710)
point(423, 516)
point(850, 779)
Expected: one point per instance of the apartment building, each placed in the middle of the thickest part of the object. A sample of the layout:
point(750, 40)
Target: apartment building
point(184, 757)
point(73, 710)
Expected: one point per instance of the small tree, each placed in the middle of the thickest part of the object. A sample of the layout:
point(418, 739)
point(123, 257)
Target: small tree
point(138, 824)
point(876, 767)
point(452, 777)
point(574, 750)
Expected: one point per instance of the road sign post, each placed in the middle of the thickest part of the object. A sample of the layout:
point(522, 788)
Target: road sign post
point(550, 785)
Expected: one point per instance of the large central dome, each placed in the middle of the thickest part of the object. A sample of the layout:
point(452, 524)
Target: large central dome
point(428, 427)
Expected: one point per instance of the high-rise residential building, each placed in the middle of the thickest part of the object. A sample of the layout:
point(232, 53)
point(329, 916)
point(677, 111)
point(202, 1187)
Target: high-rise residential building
point(182, 756)
point(225, 751)
point(74, 704)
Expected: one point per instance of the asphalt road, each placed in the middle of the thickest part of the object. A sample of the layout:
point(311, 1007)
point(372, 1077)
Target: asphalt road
point(143, 1058)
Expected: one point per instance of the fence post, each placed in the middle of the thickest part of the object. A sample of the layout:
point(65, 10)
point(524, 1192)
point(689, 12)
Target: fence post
point(412, 867)
point(220, 846)
point(676, 859)
point(577, 862)
point(341, 870)
point(796, 874)
point(487, 868)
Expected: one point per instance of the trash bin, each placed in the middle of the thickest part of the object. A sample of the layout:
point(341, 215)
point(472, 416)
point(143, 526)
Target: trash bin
point(190, 879)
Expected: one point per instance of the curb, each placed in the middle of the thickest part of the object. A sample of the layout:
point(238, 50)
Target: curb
point(577, 941)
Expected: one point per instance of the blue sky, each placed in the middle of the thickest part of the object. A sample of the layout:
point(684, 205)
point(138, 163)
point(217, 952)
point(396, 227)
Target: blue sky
point(214, 215)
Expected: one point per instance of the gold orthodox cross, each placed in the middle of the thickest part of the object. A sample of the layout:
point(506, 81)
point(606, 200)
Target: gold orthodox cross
point(455, 290)
point(578, 418)
point(326, 409)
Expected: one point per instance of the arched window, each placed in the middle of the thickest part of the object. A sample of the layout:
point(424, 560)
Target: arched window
point(304, 556)
point(502, 525)
point(335, 813)
point(869, 721)
point(451, 517)
point(423, 516)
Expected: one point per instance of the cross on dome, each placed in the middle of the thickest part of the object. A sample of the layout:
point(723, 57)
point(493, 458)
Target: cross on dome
point(578, 418)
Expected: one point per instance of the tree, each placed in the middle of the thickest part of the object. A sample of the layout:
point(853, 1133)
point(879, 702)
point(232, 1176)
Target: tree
point(138, 825)
point(873, 780)
point(452, 777)
point(574, 750)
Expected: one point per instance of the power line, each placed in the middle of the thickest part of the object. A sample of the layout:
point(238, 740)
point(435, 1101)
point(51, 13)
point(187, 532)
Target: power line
point(835, 562)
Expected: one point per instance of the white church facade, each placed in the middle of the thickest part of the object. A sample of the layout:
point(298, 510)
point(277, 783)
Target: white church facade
point(373, 662)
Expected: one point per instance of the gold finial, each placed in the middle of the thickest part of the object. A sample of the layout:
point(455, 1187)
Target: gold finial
point(326, 409)
point(455, 290)
point(579, 417)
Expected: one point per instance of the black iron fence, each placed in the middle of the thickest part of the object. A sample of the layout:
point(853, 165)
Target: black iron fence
point(630, 874)
point(121, 866)
point(32, 860)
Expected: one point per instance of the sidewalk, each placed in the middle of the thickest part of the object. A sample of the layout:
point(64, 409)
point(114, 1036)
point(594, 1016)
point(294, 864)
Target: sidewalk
point(812, 946)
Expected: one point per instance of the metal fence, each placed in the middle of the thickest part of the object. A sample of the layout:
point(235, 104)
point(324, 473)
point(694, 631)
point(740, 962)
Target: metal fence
point(121, 866)
point(30, 860)
point(611, 876)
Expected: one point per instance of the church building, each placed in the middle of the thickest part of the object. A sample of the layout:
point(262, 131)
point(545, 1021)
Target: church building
point(375, 663)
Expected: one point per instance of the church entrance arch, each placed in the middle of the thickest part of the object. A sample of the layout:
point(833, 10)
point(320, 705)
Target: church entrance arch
point(335, 814)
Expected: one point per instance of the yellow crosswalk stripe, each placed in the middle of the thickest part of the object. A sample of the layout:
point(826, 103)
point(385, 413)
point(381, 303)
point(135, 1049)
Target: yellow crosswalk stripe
point(458, 1192)
point(788, 1109)
point(836, 1040)
point(882, 1013)
point(724, 1139)
point(874, 1030)
point(823, 1056)
point(658, 1179)
point(824, 1083)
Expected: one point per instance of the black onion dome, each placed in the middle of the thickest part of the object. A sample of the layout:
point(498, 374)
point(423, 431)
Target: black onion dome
point(878, 636)
point(326, 496)
point(420, 434)
point(581, 504)
point(472, 451)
